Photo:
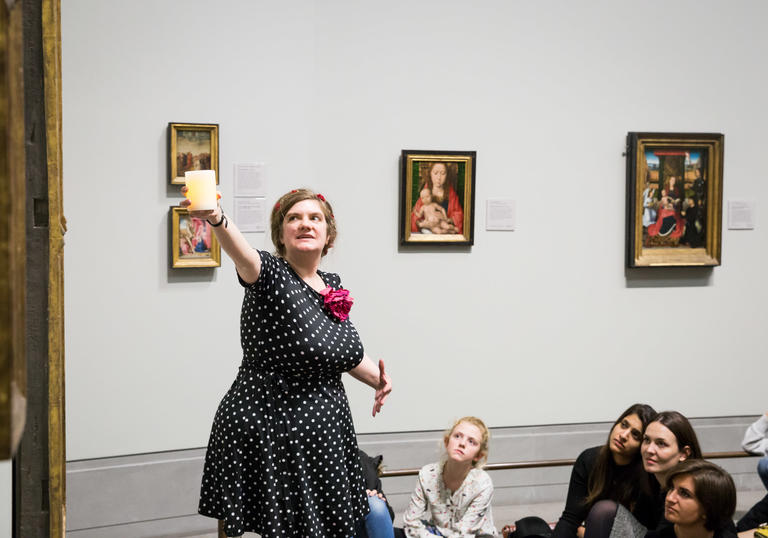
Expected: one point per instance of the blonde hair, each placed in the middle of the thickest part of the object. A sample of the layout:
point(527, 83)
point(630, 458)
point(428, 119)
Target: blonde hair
point(286, 202)
point(482, 454)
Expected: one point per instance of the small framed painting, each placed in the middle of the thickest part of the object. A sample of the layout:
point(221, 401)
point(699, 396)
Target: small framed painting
point(437, 197)
point(674, 199)
point(192, 146)
point(193, 243)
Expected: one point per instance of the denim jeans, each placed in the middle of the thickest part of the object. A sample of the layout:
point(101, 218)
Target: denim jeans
point(762, 470)
point(378, 524)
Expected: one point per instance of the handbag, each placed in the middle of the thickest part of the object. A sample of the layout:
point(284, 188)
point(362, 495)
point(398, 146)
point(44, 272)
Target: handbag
point(531, 527)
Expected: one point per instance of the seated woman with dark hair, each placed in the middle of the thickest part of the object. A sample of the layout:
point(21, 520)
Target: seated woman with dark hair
point(612, 471)
point(700, 502)
point(668, 440)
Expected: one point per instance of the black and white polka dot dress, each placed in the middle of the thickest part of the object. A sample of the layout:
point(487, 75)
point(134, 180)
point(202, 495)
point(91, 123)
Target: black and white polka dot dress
point(282, 458)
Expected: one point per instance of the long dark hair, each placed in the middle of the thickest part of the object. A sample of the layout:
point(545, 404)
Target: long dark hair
point(626, 492)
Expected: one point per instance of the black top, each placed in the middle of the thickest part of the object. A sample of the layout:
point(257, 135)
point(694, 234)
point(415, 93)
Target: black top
point(669, 532)
point(645, 508)
point(757, 515)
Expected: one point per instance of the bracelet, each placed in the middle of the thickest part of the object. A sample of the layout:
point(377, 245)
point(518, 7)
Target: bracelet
point(222, 221)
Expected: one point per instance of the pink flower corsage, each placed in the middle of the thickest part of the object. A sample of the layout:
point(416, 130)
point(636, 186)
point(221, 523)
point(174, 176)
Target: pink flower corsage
point(338, 302)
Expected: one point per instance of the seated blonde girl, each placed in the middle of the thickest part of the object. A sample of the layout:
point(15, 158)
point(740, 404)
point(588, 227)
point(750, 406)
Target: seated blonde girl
point(453, 496)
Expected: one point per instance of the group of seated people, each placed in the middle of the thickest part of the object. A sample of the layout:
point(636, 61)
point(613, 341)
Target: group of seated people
point(649, 480)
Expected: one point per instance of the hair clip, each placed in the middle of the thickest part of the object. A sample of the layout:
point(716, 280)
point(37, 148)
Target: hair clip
point(277, 206)
point(321, 197)
point(294, 190)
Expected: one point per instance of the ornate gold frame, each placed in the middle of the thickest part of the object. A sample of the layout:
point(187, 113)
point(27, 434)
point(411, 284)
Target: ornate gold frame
point(407, 160)
point(179, 262)
point(709, 255)
point(13, 375)
point(173, 135)
point(57, 228)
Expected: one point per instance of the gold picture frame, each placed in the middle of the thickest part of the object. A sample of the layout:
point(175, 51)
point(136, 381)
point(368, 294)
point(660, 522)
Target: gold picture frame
point(192, 146)
point(193, 243)
point(674, 199)
point(437, 210)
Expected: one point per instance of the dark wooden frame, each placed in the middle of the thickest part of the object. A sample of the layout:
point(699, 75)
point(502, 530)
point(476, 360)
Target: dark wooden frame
point(669, 251)
point(462, 160)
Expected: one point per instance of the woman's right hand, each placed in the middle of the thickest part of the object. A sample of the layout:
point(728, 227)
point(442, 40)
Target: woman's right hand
point(382, 390)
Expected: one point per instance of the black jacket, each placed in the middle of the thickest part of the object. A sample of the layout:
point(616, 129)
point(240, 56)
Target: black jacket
point(757, 515)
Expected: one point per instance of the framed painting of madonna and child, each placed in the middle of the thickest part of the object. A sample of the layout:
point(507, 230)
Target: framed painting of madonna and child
point(193, 243)
point(437, 198)
point(674, 199)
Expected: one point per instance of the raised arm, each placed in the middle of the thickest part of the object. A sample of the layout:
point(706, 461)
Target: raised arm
point(376, 378)
point(245, 257)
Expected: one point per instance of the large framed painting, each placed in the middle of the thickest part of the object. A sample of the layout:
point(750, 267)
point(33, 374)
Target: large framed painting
point(437, 198)
point(192, 146)
point(193, 243)
point(674, 199)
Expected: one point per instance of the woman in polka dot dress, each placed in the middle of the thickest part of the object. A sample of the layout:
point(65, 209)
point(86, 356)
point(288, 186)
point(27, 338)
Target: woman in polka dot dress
point(282, 458)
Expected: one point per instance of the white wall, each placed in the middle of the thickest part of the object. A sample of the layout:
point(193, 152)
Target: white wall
point(541, 325)
point(6, 499)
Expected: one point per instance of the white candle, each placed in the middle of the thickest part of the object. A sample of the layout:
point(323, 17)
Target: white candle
point(201, 185)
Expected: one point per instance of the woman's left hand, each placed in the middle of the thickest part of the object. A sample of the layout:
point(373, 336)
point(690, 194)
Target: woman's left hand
point(383, 389)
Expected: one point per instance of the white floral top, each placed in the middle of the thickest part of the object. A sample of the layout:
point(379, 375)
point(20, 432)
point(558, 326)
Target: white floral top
point(463, 513)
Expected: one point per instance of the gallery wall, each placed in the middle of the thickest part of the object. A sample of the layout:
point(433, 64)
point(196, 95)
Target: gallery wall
point(541, 325)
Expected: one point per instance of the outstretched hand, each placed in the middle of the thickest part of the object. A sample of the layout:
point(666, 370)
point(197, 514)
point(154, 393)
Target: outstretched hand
point(382, 390)
point(204, 214)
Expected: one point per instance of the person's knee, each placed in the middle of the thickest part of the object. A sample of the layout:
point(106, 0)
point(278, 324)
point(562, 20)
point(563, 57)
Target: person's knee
point(600, 519)
point(762, 470)
point(378, 508)
point(603, 510)
point(762, 466)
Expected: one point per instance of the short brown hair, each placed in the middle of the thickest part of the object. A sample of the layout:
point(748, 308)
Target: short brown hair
point(714, 489)
point(286, 202)
point(482, 454)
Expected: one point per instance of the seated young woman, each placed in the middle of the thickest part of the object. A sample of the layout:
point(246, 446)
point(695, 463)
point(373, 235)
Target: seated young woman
point(453, 496)
point(612, 471)
point(700, 502)
point(668, 439)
